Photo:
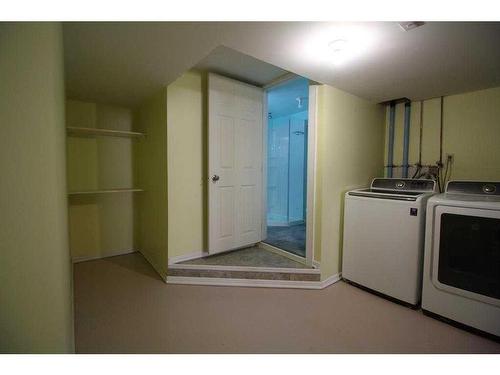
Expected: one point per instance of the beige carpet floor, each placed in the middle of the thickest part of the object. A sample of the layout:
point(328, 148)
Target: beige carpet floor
point(122, 306)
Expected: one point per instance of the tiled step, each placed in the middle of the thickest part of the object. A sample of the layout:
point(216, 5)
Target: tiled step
point(254, 256)
point(243, 272)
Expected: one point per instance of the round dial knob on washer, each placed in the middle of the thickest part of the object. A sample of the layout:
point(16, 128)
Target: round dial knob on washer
point(489, 189)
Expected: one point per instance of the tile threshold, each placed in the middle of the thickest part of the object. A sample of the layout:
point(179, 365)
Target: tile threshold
point(180, 266)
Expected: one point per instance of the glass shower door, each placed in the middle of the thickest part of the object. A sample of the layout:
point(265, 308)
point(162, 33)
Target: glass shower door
point(286, 182)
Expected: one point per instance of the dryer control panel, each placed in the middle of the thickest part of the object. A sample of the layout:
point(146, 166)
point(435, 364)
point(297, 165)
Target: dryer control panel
point(473, 187)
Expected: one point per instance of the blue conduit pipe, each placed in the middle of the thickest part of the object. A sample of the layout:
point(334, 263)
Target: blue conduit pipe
point(406, 139)
point(390, 146)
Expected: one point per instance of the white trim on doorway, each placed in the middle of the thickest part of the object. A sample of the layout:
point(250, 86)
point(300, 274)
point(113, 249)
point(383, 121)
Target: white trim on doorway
point(265, 117)
point(312, 135)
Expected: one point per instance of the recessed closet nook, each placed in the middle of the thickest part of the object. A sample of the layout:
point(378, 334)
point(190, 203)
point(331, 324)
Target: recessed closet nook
point(116, 179)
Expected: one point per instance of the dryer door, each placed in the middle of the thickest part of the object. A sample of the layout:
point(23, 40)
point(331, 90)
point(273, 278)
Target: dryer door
point(466, 259)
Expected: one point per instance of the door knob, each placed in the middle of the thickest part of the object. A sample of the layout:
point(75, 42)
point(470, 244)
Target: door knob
point(215, 178)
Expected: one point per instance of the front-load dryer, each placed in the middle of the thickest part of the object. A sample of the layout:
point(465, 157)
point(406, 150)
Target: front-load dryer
point(462, 255)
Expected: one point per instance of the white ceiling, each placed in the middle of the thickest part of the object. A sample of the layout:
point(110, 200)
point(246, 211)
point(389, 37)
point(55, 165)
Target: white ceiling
point(234, 64)
point(125, 62)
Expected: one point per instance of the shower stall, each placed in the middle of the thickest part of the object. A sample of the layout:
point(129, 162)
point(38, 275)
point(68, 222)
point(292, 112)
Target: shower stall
point(287, 167)
point(286, 164)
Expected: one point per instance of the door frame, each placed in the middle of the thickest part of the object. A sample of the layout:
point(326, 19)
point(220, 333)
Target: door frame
point(312, 109)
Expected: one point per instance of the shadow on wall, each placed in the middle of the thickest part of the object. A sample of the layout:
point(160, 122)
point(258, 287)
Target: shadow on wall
point(341, 223)
point(130, 262)
point(341, 228)
point(204, 90)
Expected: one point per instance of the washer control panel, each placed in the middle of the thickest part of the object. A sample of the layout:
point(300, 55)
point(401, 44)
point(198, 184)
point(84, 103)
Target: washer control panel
point(404, 184)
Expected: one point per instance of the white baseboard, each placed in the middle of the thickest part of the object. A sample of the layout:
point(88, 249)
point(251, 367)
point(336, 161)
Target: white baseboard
point(183, 258)
point(252, 282)
point(107, 255)
point(331, 280)
point(242, 282)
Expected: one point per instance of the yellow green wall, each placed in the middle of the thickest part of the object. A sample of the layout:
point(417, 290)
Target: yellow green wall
point(102, 224)
point(471, 131)
point(349, 154)
point(346, 124)
point(36, 308)
point(150, 173)
point(108, 224)
point(186, 165)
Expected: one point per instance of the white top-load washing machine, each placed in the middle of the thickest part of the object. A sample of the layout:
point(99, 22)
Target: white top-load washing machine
point(384, 237)
point(462, 255)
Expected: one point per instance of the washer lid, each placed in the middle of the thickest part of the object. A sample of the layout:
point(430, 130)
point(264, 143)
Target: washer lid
point(386, 194)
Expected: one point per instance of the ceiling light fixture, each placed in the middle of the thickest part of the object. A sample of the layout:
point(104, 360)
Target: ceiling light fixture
point(340, 50)
point(340, 44)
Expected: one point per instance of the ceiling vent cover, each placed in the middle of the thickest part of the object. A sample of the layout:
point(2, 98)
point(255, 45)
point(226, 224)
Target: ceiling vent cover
point(407, 26)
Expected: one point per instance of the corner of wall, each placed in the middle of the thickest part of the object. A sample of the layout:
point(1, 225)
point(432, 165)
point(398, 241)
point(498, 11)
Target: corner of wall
point(187, 164)
point(150, 172)
point(350, 154)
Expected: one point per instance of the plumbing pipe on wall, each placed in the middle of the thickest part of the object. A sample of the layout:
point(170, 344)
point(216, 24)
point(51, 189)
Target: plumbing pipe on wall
point(441, 132)
point(406, 138)
point(390, 146)
point(421, 132)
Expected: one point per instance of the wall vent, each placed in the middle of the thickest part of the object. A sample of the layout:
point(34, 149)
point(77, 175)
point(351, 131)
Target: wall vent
point(410, 25)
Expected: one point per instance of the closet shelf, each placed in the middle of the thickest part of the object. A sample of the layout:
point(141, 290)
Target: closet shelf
point(85, 132)
point(107, 191)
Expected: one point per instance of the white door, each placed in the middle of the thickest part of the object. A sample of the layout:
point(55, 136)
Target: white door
point(234, 164)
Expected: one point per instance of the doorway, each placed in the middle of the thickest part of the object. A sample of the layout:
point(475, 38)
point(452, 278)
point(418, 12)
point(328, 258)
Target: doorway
point(287, 160)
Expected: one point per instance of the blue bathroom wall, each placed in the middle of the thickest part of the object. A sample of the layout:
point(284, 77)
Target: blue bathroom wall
point(286, 167)
point(297, 167)
point(277, 171)
point(287, 152)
